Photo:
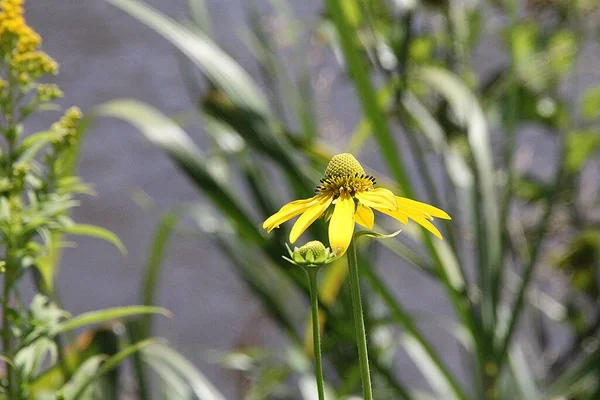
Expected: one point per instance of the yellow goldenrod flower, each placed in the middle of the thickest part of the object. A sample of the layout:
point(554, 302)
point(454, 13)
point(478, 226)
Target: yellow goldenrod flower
point(352, 195)
point(19, 45)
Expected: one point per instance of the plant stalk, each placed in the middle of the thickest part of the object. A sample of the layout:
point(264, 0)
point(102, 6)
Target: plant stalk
point(359, 322)
point(6, 345)
point(311, 273)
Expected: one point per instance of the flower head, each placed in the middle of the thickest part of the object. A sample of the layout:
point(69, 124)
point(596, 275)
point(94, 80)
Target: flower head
point(351, 194)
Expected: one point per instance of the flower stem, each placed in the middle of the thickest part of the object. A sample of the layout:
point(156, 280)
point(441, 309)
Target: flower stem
point(311, 273)
point(359, 323)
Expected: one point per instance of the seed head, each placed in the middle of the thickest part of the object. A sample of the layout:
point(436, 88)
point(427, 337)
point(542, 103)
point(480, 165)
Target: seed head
point(344, 165)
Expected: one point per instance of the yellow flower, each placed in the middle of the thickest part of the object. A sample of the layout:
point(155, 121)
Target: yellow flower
point(352, 195)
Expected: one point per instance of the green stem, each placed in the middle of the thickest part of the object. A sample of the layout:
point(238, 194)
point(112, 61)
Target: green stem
point(6, 345)
point(359, 322)
point(509, 149)
point(311, 273)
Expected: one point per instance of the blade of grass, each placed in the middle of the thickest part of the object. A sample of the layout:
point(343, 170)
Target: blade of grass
point(510, 147)
point(467, 109)
point(388, 148)
point(96, 317)
point(260, 44)
point(433, 368)
point(574, 380)
point(223, 71)
point(169, 137)
point(110, 363)
point(153, 268)
point(165, 359)
point(271, 285)
point(242, 97)
point(299, 92)
point(201, 15)
point(367, 95)
point(518, 305)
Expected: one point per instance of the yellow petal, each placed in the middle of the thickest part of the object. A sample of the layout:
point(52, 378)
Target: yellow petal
point(309, 216)
point(413, 212)
point(427, 225)
point(396, 214)
point(364, 216)
point(378, 198)
point(341, 225)
point(431, 210)
point(287, 212)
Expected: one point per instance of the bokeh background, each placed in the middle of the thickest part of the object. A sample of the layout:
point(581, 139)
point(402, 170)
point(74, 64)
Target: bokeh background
point(106, 54)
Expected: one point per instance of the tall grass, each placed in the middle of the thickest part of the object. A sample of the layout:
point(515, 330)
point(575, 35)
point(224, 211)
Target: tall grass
point(412, 71)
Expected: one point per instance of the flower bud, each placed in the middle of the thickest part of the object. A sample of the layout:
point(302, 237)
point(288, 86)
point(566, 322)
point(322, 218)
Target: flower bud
point(312, 254)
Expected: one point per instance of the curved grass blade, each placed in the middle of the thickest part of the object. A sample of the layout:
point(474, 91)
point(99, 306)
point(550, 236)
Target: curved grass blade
point(468, 111)
point(95, 317)
point(168, 136)
point(175, 369)
point(576, 379)
point(109, 364)
point(96, 232)
point(220, 69)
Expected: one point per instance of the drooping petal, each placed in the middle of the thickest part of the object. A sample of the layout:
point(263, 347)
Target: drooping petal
point(378, 198)
point(420, 218)
point(429, 209)
point(410, 211)
point(287, 212)
point(396, 214)
point(309, 216)
point(427, 225)
point(341, 225)
point(364, 216)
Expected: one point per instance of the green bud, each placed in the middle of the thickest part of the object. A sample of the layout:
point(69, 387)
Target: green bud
point(312, 254)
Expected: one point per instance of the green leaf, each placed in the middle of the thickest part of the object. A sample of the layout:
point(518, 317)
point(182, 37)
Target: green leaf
point(96, 232)
point(95, 317)
point(153, 267)
point(590, 103)
point(375, 235)
point(581, 145)
point(221, 69)
point(174, 369)
point(79, 382)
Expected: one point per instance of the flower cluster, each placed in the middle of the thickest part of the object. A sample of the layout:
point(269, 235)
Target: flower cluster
point(26, 63)
point(68, 125)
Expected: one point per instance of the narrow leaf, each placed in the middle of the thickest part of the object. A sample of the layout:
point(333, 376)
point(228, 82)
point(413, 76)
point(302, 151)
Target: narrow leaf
point(95, 317)
point(97, 232)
